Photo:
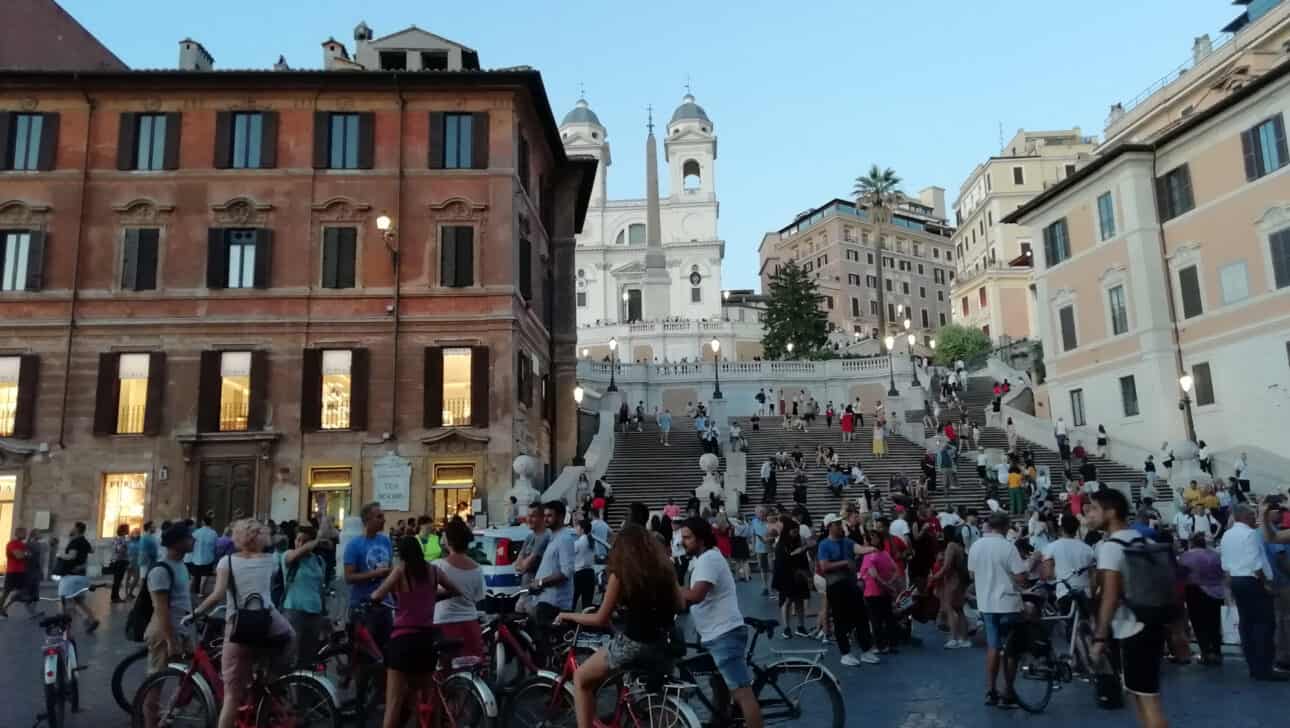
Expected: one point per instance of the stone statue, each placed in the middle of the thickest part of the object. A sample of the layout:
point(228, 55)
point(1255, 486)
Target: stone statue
point(711, 485)
point(526, 468)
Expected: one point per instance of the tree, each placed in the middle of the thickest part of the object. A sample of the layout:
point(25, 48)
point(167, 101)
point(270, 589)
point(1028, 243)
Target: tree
point(956, 342)
point(879, 192)
point(793, 315)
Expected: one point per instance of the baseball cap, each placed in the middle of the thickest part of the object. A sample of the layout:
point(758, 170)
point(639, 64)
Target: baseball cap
point(831, 519)
point(175, 534)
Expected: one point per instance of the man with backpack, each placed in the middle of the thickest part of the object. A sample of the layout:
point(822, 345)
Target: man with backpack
point(1135, 579)
point(167, 602)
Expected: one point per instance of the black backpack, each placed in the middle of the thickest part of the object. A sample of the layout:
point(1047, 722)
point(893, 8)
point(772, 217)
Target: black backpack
point(141, 612)
point(1150, 580)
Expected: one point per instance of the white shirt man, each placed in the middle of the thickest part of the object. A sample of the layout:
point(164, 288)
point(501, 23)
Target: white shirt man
point(765, 471)
point(600, 530)
point(1244, 553)
point(1060, 428)
point(1001, 473)
point(900, 528)
point(994, 562)
point(1068, 555)
point(949, 518)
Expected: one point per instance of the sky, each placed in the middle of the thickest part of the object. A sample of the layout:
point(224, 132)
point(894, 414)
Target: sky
point(803, 96)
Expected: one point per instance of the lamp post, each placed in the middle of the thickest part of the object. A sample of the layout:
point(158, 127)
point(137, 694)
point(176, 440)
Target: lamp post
point(890, 341)
point(790, 350)
point(613, 363)
point(1185, 383)
point(585, 352)
point(716, 367)
point(577, 414)
point(912, 366)
point(627, 313)
point(725, 301)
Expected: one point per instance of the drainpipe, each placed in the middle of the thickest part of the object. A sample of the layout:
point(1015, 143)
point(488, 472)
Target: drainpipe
point(1169, 291)
point(76, 269)
point(398, 266)
point(309, 315)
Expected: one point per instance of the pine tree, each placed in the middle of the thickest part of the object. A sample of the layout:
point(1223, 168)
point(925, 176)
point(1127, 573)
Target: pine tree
point(793, 314)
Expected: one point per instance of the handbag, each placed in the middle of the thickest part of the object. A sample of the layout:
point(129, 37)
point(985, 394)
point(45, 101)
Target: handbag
point(251, 625)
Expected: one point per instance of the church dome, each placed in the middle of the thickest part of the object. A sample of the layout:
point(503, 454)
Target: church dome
point(689, 111)
point(581, 114)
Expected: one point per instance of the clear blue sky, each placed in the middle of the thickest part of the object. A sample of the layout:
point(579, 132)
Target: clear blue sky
point(804, 96)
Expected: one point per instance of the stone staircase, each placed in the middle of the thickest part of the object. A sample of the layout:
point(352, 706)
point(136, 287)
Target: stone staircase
point(643, 470)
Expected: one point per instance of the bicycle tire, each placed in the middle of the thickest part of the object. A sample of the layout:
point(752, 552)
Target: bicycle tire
point(297, 701)
point(652, 710)
point(535, 704)
point(1041, 671)
point(74, 693)
point(820, 710)
point(463, 706)
point(124, 698)
point(185, 696)
point(55, 706)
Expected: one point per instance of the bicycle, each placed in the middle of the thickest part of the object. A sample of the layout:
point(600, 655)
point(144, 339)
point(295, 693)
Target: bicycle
point(640, 701)
point(132, 670)
point(515, 652)
point(782, 688)
point(457, 697)
point(359, 660)
point(60, 663)
point(1031, 643)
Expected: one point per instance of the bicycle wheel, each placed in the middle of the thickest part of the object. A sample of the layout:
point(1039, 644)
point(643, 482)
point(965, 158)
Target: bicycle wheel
point(128, 676)
point(175, 699)
point(297, 701)
point(537, 704)
point(1036, 675)
point(801, 694)
point(463, 706)
point(55, 706)
point(652, 710)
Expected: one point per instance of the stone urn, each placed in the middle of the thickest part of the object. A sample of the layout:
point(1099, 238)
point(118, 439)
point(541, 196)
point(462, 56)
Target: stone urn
point(710, 464)
point(526, 469)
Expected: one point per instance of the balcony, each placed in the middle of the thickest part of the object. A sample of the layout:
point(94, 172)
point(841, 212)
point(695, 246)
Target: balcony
point(966, 279)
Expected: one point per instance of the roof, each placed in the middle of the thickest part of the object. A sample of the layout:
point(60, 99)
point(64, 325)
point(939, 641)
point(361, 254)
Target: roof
point(581, 114)
point(1186, 125)
point(689, 110)
point(40, 34)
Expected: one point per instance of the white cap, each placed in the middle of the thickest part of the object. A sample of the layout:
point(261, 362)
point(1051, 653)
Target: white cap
point(831, 519)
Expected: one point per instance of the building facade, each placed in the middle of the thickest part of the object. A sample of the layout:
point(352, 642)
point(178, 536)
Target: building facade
point(838, 244)
point(992, 289)
point(202, 312)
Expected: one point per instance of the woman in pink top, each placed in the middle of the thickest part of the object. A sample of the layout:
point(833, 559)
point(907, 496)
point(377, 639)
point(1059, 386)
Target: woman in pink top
point(881, 583)
point(410, 654)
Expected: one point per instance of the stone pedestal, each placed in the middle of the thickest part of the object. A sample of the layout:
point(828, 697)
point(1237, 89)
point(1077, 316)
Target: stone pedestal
point(526, 469)
point(719, 412)
point(710, 464)
point(1186, 467)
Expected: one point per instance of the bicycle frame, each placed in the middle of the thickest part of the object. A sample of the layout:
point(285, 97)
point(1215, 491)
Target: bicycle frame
point(57, 646)
point(622, 705)
point(501, 631)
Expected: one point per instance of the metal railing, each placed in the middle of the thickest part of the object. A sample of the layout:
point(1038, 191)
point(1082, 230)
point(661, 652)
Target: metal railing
point(8, 416)
point(335, 416)
point(235, 416)
point(129, 419)
point(456, 412)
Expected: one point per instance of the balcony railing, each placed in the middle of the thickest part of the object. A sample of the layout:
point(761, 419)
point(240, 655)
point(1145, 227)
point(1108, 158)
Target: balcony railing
point(8, 416)
point(456, 412)
point(129, 419)
point(737, 371)
point(235, 416)
point(335, 416)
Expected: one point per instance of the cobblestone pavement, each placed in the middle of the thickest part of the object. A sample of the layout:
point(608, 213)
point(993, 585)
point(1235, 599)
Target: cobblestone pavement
point(925, 687)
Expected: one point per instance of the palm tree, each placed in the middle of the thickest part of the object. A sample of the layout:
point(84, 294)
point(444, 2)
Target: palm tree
point(879, 192)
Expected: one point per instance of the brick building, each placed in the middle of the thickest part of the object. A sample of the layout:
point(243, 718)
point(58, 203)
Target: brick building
point(41, 34)
point(199, 312)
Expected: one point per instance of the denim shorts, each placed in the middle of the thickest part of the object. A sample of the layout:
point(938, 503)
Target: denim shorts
point(728, 653)
point(997, 627)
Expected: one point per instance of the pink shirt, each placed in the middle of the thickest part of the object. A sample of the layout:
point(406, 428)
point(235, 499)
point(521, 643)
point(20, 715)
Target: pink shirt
point(672, 511)
point(414, 609)
point(886, 568)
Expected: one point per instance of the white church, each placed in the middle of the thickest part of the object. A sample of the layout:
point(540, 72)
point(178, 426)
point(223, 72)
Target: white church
point(648, 271)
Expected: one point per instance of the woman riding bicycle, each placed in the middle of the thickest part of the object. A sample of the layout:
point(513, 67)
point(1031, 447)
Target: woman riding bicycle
point(410, 655)
point(643, 583)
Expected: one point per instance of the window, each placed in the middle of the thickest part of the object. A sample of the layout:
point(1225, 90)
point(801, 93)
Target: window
point(124, 495)
point(340, 255)
point(1057, 245)
point(1129, 396)
point(248, 133)
point(873, 308)
point(1280, 245)
point(241, 259)
point(1189, 289)
point(869, 258)
point(1018, 176)
point(525, 273)
point(938, 276)
point(925, 324)
point(139, 259)
point(696, 294)
point(31, 142)
point(964, 303)
point(1119, 311)
point(922, 291)
point(522, 162)
point(1234, 281)
point(855, 307)
point(871, 281)
point(920, 269)
point(456, 256)
point(148, 150)
point(936, 252)
point(1077, 408)
point(1264, 148)
point(989, 218)
point(456, 387)
point(457, 130)
point(394, 60)
point(343, 142)
point(1067, 318)
point(581, 298)
point(434, 60)
point(940, 295)
point(1070, 170)
point(853, 255)
point(987, 183)
point(234, 391)
point(1174, 193)
point(891, 312)
point(853, 279)
point(524, 378)
point(21, 260)
point(1106, 216)
point(337, 389)
point(9, 370)
point(1204, 384)
point(904, 287)
point(942, 317)
point(887, 282)
point(18, 381)
point(981, 297)
point(828, 300)
point(132, 398)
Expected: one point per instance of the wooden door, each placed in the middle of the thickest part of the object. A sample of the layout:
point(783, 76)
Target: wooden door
point(227, 490)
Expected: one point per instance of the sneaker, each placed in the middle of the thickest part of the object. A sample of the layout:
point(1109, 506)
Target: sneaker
point(850, 660)
point(870, 658)
point(1008, 702)
point(765, 592)
point(801, 632)
point(991, 699)
point(788, 633)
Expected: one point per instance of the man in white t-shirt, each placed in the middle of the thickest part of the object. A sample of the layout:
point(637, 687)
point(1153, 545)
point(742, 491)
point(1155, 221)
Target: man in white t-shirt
point(715, 612)
point(998, 569)
point(1065, 557)
point(900, 526)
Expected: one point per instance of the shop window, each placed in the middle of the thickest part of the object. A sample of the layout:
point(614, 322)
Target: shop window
point(452, 492)
point(329, 493)
point(123, 500)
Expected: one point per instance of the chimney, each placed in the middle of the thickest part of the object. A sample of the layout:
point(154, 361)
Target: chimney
point(934, 197)
point(281, 65)
point(193, 57)
point(1117, 113)
point(1201, 48)
point(334, 54)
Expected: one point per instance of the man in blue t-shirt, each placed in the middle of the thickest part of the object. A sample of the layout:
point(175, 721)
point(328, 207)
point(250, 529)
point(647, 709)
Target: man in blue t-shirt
point(367, 563)
point(760, 532)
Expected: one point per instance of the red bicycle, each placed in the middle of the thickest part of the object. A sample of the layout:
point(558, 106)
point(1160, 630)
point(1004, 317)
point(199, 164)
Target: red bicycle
point(640, 700)
point(515, 649)
point(359, 662)
point(457, 697)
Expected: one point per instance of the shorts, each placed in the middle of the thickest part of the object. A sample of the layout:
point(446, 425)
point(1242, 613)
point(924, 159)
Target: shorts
point(468, 633)
point(728, 653)
point(412, 653)
point(1140, 657)
point(997, 627)
point(158, 655)
point(200, 571)
point(15, 581)
point(763, 563)
point(238, 660)
point(71, 584)
point(625, 653)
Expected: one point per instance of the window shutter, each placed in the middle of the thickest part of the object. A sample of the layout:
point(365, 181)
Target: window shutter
point(436, 140)
point(156, 393)
point(259, 401)
point(127, 136)
point(174, 121)
point(146, 260)
point(1249, 150)
point(1280, 244)
point(347, 249)
point(223, 139)
point(130, 260)
point(268, 139)
point(465, 256)
point(6, 154)
point(479, 399)
point(447, 255)
point(359, 376)
point(366, 144)
point(1189, 282)
point(216, 259)
point(24, 416)
point(48, 157)
point(1279, 124)
point(208, 391)
point(311, 390)
point(1187, 201)
point(263, 256)
point(107, 395)
point(36, 260)
point(1069, 341)
point(331, 245)
point(479, 140)
point(1162, 199)
point(322, 132)
point(526, 270)
point(432, 388)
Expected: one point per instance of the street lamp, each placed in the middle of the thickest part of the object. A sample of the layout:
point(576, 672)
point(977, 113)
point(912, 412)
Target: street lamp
point(627, 313)
point(577, 414)
point(913, 367)
point(613, 364)
point(585, 352)
point(716, 367)
point(1185, 383)
point(725, 301)
point(385, 224)
point(890, 341)
point(790, 350)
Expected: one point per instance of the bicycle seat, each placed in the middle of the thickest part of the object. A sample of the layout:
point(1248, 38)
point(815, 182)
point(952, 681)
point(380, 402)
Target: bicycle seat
point(762, 626)
point(58, 620)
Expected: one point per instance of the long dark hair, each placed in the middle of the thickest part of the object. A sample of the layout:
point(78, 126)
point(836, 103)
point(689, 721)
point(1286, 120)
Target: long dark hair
point(414, 560)
point(643, 568)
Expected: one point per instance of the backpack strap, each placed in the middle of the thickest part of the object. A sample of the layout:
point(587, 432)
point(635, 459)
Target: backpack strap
point(232, 583)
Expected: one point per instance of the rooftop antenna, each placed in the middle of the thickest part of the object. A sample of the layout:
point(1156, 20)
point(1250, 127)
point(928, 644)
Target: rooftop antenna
point(582, 90)
point(650, 124)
